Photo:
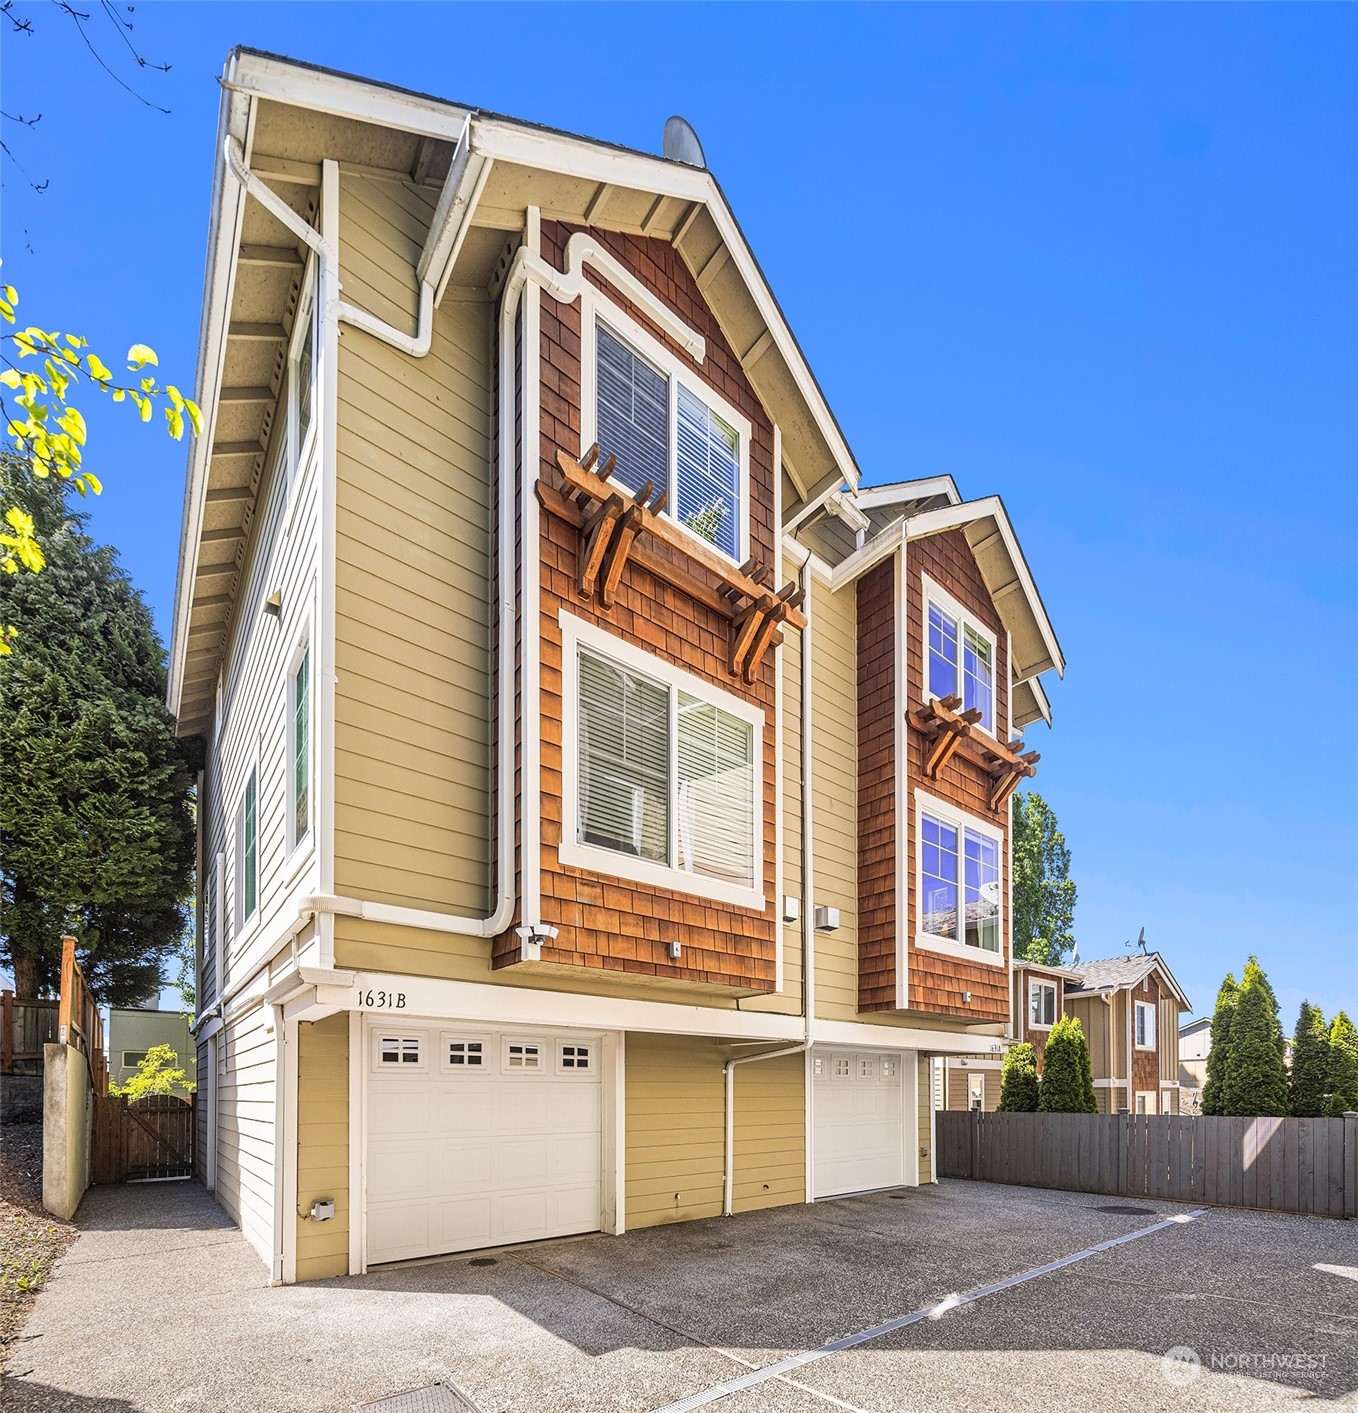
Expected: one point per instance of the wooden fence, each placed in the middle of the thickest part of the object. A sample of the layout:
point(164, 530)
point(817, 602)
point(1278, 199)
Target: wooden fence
point(26, 1025)
point(1282, 1165)
point(79, 1023)
point(146, 1138)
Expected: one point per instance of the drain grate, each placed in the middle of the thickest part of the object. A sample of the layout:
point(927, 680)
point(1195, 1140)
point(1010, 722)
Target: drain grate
point(436, 1398)
point(1116, 1211)
point(482, 1261)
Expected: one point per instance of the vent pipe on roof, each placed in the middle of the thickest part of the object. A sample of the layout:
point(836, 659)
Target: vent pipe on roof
point(680, 143)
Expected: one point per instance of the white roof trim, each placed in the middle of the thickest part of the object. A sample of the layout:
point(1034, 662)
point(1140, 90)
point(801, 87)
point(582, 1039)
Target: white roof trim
point(1040, 699)
point(873, 497)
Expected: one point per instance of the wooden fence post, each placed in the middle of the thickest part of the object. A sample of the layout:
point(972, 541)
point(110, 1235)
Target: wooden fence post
point(1350, 1122)
point(975, 1144)
point(6, 1031)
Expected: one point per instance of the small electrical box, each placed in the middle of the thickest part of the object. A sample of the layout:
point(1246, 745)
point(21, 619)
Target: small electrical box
point(675, 951)
point(324, 1210)
point(826, 919)
point(792, 908)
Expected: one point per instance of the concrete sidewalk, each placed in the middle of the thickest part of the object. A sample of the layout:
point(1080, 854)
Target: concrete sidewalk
point(161, 1305)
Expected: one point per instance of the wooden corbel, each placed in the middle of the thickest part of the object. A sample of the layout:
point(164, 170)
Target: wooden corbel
point(595, 535)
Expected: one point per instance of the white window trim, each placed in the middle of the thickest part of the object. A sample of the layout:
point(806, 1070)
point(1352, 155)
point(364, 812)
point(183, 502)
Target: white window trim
point(931, 804)
point(1034, 986)
point(300, 850)
point(594, 306)
point(245, 921)
point(379, 1033)
point(577, 633)
point(1151, 1026)
point(1152, 1102)
point(486, 1066)
point(935, 593)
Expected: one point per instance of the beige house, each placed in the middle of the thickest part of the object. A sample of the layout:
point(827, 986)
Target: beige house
point(133, 1030)
point(1129, 1009)
point(606, 811)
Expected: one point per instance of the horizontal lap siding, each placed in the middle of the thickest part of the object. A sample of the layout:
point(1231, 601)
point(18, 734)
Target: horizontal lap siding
point(937, 982)
point(323, 1145)
point(675, 1116)
point(609, 924)
point(245, 1125)
point(414, 612)
point(924, 1109)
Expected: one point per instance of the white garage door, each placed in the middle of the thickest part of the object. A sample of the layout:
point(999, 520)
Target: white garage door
point(857, 1121)
point(480, 1138)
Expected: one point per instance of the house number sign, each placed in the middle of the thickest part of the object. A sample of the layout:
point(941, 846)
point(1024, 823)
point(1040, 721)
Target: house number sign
point(381, 1000)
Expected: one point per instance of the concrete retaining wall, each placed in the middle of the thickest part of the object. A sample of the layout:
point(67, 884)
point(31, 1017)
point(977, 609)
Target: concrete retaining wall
point(66, 1118)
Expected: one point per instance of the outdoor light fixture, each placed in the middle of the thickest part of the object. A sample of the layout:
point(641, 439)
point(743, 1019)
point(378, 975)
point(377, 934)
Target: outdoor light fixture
point(675, 951)
point(792, 908)
point(273, 605)
point(531, 940)
point(826, 919)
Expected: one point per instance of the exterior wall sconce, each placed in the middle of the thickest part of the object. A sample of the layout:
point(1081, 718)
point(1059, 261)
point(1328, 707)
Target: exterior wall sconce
point(826, 919)
point(273, 605)
point(792, 908)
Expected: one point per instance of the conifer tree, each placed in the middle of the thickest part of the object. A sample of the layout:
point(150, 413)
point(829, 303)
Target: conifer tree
point(1309, 1083)
point(1018, 1081)
point(1255, 1078)
point(1343, 1066)
point(1222, 1016)
point(1067, 1085)
point(96, 825)
point(1044, 892)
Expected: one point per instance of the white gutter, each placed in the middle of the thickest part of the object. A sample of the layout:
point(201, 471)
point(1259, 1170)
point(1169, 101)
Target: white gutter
point(808, 921)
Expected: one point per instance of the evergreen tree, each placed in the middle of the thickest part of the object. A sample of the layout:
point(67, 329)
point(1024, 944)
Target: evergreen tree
point(1018, 1081)
point(1067, 1085)
point(1309, 1083)
point(1343, 1066)
point(96, 825)
point(1217, 1054)
point(1044, 892)
point(1255, 1078)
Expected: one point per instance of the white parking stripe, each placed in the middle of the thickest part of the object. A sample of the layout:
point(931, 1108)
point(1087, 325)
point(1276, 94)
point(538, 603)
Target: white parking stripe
point(931, 1312)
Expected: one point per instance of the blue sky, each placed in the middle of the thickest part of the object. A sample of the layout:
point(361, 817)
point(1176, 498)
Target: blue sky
point(1101, 260)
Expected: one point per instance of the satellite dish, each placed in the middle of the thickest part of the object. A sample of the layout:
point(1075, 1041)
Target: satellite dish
point(680, 143)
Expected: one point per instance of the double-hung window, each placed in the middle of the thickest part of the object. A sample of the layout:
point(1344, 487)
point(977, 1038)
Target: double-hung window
point(667, 427)
point(247, 850)
point(1145, 1026)
point(959, 655)
point(299, 748)
point(302, 377)
point(958, 862)
point(661, 772)
point(1042, 1005)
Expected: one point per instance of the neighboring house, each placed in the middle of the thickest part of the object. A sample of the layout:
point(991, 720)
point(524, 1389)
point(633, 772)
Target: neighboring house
point(1037, 996)
point(582, 852)
point(1195, 1043)
point(1129, 1010)
point(135, 1030)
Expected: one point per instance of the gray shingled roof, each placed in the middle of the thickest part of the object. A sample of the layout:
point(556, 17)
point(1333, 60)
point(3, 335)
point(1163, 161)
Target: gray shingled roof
point(1118, 972)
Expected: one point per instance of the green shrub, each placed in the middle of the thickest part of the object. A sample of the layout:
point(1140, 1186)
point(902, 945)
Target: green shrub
point(1343, 1066)
point(1067, 1085)
point(1308, 1086)
point(1018, 1081)
point(1255, 1078)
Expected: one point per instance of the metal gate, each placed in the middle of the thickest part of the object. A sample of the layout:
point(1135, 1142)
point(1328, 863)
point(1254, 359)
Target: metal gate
point(147, 1138)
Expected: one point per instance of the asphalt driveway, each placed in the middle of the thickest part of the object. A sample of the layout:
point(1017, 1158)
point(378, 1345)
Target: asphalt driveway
point(160, 1305)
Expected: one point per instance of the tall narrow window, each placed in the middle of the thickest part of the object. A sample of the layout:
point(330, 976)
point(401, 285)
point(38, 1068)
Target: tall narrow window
point(716, 792)
point(633, 414)
point(939, 842)
point(624, 761)
point(249, 847)
point(301, 748)
point(982, 892)
point(305, 366)
point(978, 677)
point(707, 482)
point(942, 653)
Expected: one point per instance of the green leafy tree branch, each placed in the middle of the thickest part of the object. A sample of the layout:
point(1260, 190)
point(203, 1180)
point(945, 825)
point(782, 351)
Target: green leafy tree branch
point(44, 372)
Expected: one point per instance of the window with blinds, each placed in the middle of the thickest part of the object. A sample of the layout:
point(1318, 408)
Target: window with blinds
point(664, 432)
point(664, 775)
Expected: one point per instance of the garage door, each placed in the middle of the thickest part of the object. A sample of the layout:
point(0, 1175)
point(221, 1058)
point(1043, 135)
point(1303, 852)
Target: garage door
point(857, 1121)
point(480, 1138)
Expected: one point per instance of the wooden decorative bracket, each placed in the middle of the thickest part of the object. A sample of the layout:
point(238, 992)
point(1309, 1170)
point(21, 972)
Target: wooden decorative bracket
point(949, 730)
point(615, 531)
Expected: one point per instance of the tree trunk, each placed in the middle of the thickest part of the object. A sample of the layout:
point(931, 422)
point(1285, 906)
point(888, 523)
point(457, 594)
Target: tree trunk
point(27, 974)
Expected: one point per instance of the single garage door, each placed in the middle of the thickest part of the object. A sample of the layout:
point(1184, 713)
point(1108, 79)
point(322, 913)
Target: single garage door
point(480, 1138)
point(857, 1121)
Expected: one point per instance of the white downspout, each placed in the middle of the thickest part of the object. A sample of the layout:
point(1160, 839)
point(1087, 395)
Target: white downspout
point(808, 919)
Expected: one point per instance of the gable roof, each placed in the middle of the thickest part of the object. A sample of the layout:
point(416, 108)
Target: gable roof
point(1115, 973)
point(516, 164)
